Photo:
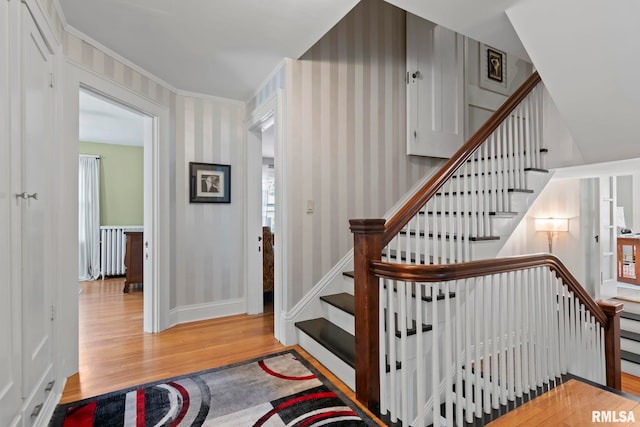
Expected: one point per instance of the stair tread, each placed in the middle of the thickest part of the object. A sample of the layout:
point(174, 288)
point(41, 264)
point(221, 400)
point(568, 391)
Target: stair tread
point(499, 172)
point(630, 335)
point(335, 339)
point(629, 356)
point(509, 190)
point(454, 213)
point(449, 236)
point(351, 274)
point(631, 316)
point(502, 156)
point(343, 301)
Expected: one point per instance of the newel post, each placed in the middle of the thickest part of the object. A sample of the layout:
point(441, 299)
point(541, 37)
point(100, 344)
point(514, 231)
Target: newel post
point(367, 247)
point(612, 342)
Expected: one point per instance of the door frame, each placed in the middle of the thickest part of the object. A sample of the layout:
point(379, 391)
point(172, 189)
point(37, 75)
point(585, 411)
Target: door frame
point(271, 109)
point(156, 209)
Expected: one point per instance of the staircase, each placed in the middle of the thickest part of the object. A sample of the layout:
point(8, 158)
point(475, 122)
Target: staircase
point(446, 331)
point(470, 218)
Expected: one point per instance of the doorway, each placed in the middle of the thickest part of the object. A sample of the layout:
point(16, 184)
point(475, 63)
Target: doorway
point(111, 190)
point(265, 201)
point(156, 214)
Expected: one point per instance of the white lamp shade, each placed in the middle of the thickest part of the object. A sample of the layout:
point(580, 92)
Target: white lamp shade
point(552, 224)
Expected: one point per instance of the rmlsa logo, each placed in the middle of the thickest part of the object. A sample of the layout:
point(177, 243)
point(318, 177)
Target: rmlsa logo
point(612, 417)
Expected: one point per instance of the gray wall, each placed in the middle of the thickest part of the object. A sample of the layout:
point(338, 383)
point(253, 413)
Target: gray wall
point(345, 137)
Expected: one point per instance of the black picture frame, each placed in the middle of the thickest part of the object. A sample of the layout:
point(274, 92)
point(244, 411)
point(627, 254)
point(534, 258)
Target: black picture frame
point(209, 183)
point(495, 65)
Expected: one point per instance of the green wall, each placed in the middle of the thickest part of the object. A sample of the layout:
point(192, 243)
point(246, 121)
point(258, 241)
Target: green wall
point(121, 182)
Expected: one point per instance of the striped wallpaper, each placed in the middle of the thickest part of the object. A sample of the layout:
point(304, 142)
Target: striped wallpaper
point(206, 245)
point(345, 138)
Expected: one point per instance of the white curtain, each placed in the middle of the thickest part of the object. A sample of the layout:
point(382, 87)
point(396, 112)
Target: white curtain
point(89, 218)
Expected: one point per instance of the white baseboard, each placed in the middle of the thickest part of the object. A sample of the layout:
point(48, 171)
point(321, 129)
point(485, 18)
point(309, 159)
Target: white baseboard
point(212, 310)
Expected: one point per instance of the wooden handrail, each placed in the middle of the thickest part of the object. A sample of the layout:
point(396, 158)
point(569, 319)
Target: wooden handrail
point(413, 206)
point(486, 267)
point(607, 313)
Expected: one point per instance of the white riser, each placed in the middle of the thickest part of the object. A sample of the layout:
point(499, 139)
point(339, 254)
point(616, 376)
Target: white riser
point(630, 368)
point(629, 325)
point(339, 368)
point(339, 318)
point(630, 345)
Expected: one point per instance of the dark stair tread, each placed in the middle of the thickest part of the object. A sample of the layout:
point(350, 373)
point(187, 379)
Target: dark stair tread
point(351, 274)
point(454, 213)
point(411, 330)
point(630, 335)
point(630, 316)
point(629, 356)
point(343, 301)
point(449, 236)
point(502, 156)
point(509, 190)
point(498, 173)
point(335, 339)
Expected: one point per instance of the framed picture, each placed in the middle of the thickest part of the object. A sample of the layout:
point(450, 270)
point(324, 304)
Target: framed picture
point(495, 64)
point(209, 183)
point(494, 70)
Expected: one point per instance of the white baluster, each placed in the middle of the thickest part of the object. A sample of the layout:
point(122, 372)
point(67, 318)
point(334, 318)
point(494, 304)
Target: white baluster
point(460, 314)
point(528, 337)
point(435, 359)
point(401, 290)
point(518, 331)
point(495, 334)
point(477, 355)
point(391, 328)
point(382, 348)
point(504, 309)
point(448, 357)
point(486, 359)
point(469, 315)
point(420, 374)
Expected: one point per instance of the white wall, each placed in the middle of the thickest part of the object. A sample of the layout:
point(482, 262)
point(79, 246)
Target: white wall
point(567, 198)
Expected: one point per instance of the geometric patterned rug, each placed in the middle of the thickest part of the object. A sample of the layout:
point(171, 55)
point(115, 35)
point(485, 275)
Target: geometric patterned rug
point(282, 389)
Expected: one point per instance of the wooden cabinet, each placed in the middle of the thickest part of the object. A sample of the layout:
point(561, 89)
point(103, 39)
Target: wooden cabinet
point(628, 250)
point(133, 259)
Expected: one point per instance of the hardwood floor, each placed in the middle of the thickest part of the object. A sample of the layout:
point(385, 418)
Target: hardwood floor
point(115, 353)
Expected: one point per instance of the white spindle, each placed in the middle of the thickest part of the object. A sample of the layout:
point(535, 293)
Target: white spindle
point(528, 338)
point(485, 282)
point(448, 357)
point(382, 350)
point(467, 338)
point(391, 327)
point(435, 359)
point(420, 374)
point(477, 355)
point(517, 283)
point(504, 305)
point(459, 287)
point(495, 334)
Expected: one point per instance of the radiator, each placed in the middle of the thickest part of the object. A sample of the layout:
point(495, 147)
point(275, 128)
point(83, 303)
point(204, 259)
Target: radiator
point(112, 247)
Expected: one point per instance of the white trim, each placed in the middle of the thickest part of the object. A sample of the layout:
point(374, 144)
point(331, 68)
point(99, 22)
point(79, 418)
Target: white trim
point(205, 311)
point(156, 302)
point(88, 70)
point(50, 32)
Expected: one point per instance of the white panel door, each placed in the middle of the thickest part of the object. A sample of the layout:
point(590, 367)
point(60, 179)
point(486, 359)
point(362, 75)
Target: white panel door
point(435, 89)
point(10, 379)
point(36, 210)
point(607, 238)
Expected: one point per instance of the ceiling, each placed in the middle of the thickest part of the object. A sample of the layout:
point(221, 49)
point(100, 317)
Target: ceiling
point(227, 48)
point(224, 48)
point(105, 121)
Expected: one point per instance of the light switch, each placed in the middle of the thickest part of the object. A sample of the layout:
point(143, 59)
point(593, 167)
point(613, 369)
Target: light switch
point(309, 206)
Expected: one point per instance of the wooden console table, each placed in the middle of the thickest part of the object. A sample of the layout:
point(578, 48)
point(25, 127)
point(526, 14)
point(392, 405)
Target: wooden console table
point(133, 259)
point(628, 250)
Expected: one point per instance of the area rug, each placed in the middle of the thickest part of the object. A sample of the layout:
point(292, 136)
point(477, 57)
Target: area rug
point(282, 389)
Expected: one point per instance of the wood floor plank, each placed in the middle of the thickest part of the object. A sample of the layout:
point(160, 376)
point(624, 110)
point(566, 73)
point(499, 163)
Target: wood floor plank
point(115, 353)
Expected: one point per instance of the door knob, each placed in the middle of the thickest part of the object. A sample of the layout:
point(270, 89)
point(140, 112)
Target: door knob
point(24, 195)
